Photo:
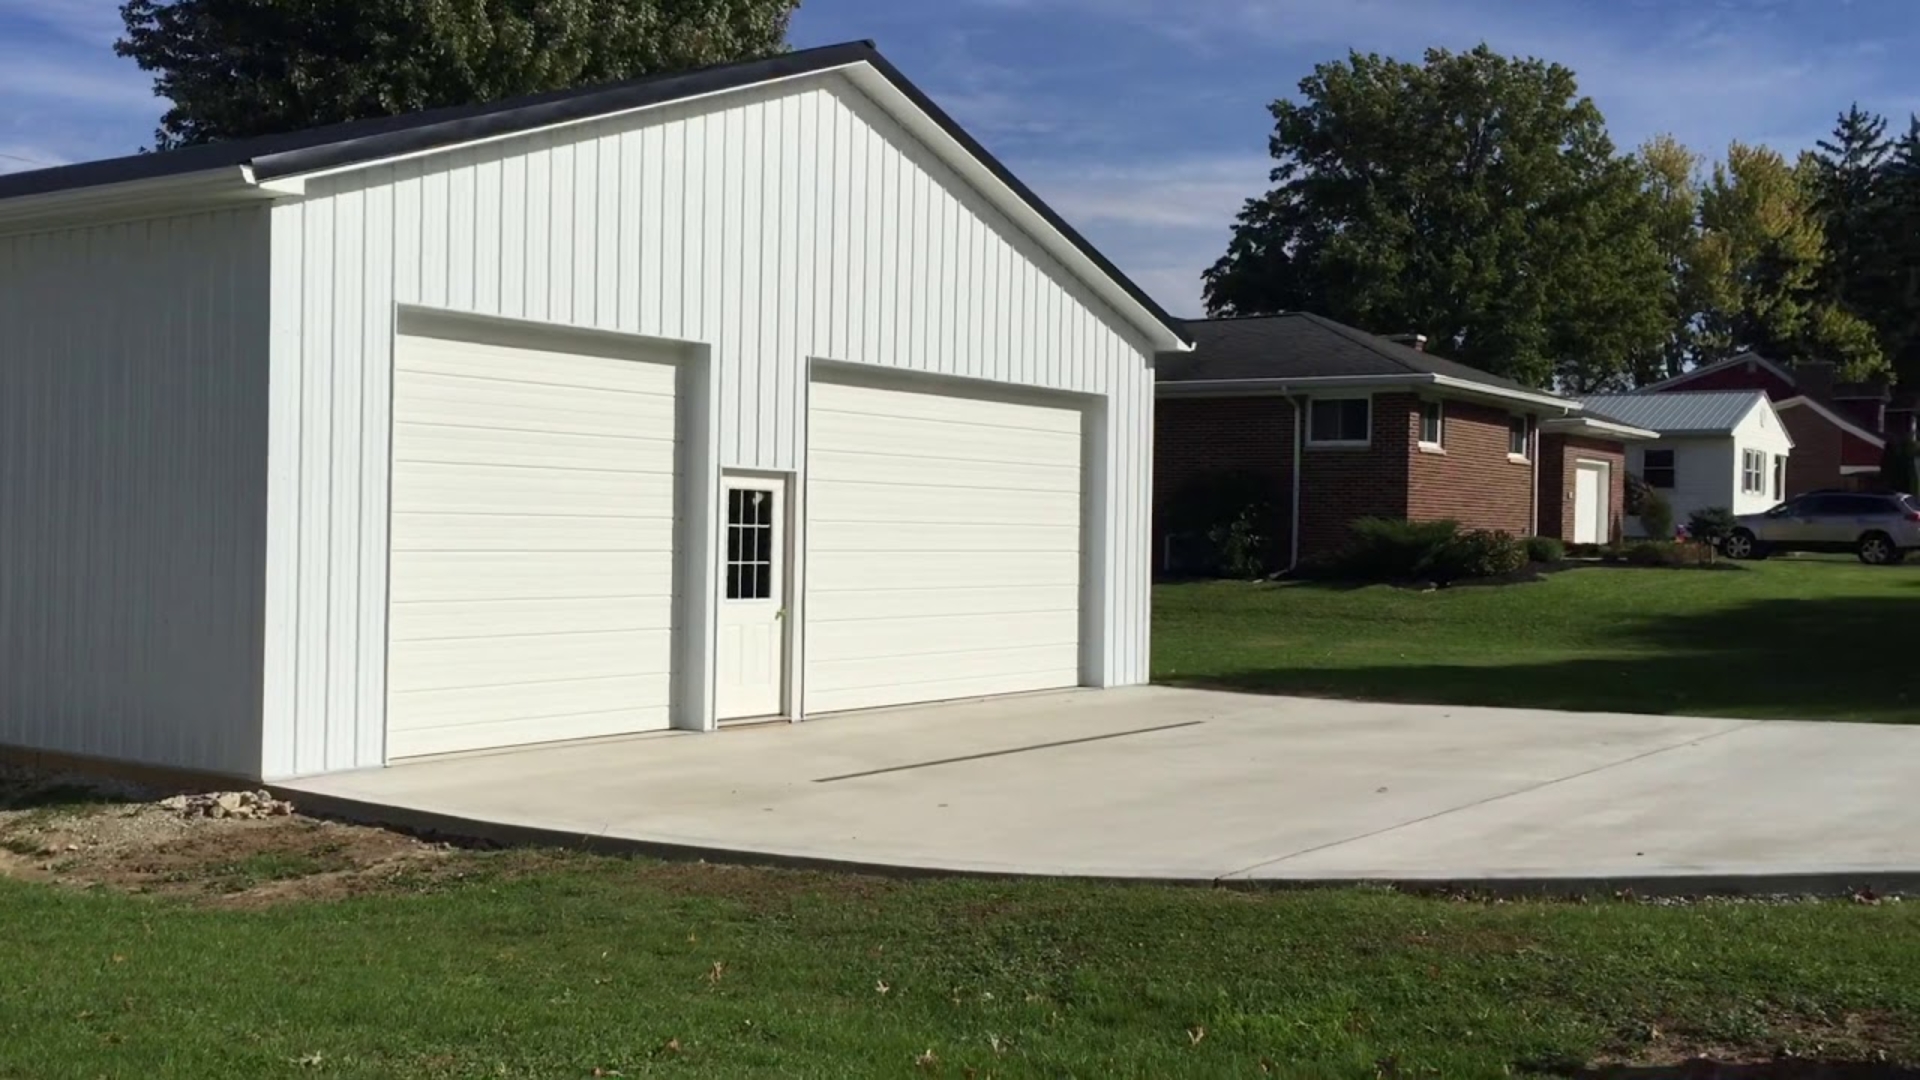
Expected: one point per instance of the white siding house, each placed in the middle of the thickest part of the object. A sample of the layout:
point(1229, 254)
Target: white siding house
point(1716, 449)
point(759, 392)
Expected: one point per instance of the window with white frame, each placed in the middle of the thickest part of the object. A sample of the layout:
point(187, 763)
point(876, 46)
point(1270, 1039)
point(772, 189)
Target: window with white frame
point(1433, 423)
point(749, 544)
point(1340, 422)
point(1518, 429)
point(1658, 469)
point(1753, 472)
point(1779, 478)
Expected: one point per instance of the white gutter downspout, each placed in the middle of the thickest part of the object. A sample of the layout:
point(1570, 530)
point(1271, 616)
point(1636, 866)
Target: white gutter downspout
point(1539, 445)
point(1299, 450)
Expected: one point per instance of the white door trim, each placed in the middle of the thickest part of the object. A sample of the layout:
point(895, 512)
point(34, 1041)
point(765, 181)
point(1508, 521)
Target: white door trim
point(780, 599)
point(1603, 513)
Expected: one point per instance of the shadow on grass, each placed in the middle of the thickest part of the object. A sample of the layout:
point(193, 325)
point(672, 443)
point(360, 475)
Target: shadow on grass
point(1702, 1069)
point(1847, 658)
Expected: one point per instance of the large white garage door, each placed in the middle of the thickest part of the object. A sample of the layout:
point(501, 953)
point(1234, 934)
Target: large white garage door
point(532, 564)
point(943, 548)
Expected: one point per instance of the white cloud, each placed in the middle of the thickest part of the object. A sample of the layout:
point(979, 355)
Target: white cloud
point(24, 157)
point(90, 21)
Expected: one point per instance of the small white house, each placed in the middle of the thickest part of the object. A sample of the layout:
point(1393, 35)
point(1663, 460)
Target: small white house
point(1716, 449)
point(756, 392)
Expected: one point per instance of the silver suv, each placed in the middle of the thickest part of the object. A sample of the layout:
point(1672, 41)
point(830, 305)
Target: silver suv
point(1881, 529)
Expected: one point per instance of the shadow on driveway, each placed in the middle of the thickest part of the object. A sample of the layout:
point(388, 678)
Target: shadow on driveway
point(1854, 658)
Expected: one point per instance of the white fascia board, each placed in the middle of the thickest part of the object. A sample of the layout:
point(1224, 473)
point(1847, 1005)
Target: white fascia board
point(1607, 428)
point(130, 199)
point(1836, 419)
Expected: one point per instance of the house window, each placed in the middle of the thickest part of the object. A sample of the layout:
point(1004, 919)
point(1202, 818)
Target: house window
point(1341, 422)
point(1432, 424)
point(749, 544)
point(1753, 473)
point(1518, 428)
point(1657, 470)
point(1779, 478)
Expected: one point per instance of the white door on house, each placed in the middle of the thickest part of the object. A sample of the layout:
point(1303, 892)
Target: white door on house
point(753, 602)
point(1592, 481)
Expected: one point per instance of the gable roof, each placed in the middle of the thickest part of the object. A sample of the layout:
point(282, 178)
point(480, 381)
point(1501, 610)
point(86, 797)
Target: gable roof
point(1834, 418)
point(1716, 412)
point(276, 162)
point(1785, 374)
point(1297, 346)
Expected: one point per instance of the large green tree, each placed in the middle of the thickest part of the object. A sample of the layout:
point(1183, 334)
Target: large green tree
point(1759, 266)
point(238, 68)
point(1473, 197)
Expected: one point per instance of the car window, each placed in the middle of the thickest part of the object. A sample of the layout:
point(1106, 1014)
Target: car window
point(1814, 506)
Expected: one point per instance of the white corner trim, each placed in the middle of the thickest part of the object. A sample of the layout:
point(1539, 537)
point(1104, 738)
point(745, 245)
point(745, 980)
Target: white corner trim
point(1834, 418)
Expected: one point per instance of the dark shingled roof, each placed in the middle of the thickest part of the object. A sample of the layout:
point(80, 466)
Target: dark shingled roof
point(340, 145)
point(1296, 345)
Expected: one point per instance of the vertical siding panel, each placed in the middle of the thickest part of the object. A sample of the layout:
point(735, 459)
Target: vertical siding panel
point(284, 471)
point(316, 495)
point(852, 177)
point(748, 154)
point(828, 225)
point(644, 219)
point(489, 233)
point(461, 245)
point(728, 218)
point(609, 231)
point(795, 309)
point(710, 194)
point(516, 216)
point(538, 255)
point(562, 236)
point(435, 249)
point(375, 435)
point(346, 383)
point(671, 227)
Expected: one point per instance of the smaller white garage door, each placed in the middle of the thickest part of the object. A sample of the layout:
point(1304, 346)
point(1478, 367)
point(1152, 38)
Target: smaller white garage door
point(532, 562)
point(943, 547)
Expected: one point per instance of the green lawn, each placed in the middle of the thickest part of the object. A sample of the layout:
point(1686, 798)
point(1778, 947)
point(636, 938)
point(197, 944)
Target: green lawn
point(532, 965)
point(1812, 639)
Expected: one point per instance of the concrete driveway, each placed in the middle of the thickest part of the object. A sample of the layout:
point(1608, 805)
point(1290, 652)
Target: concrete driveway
point(1197, 786)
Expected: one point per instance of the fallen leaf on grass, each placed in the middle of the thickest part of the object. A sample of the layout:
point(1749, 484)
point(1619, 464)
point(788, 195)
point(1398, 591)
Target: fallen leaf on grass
point(1195, 1034)
point(881, 987)
point(719, 969)
point(927, 1060)
point(309, 1061)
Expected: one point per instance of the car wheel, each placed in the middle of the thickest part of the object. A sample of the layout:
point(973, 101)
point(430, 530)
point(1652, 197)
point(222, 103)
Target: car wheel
point(1876, 549)
point(1742, 545)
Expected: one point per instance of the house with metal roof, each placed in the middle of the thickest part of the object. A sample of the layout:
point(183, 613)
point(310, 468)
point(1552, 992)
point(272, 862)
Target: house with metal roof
point(1319, 424)
point(1724, 448)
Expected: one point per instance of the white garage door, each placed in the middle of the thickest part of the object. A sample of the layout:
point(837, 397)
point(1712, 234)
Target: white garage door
point(943, 548)
point(532, 565)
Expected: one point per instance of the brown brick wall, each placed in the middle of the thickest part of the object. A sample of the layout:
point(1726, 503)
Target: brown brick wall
point(1816, 458)
point(1472, 480)
point(1559, 456)
point(1199, 438)
point(1343, 483)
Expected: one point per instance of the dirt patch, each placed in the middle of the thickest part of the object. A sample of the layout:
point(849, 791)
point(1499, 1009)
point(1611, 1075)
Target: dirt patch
point(74, 831)
point(1864, 1045)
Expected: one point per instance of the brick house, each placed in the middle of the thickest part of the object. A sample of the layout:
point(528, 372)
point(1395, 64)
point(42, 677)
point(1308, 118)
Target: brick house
point(1320, 424)
point(1840, 430)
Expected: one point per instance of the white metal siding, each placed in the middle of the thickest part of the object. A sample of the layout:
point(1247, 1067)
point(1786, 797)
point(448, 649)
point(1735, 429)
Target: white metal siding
point(1762, 431)
point(943, 547)
point(1706, 474)
point(533, 532)
point(133, 390)
point(772, 225)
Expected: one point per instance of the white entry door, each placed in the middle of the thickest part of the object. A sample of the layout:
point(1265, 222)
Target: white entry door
point(1591, 483)
point(753, 605)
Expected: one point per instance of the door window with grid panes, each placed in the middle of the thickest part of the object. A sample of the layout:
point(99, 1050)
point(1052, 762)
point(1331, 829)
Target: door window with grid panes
point(750, 548)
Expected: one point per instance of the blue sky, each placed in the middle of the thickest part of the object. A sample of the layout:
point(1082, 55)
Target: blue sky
point(1144, 121)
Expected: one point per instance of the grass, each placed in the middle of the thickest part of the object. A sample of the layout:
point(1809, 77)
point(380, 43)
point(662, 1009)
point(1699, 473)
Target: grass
point(538, 965)
point(1807, 639)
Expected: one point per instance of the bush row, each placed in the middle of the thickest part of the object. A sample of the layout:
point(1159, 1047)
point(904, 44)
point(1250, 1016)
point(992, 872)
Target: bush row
point(1389, 549)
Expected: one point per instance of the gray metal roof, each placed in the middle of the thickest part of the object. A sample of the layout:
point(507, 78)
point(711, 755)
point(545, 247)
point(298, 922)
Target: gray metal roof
point(1705, 413)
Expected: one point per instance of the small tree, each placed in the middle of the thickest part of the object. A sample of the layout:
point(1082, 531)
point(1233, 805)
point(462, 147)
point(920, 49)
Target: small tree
point(1711, 525)
point(1656, 516)
point(1900, 467)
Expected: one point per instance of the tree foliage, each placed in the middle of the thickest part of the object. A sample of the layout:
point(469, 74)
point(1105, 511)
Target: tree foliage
point(239, 68)
point(1474, 197)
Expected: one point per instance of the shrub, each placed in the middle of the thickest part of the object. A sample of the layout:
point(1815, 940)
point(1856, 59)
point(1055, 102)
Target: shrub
point(1242, 548)
point(1710, 526)
point(1481, 553)
point(1656, 516)
point(1545, 549)
point(1667, 553)
point(1637, 492)
point(1390, 549)
point(1900, 467)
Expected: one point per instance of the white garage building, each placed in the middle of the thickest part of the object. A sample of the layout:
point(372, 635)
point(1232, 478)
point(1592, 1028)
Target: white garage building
point(759, 392)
